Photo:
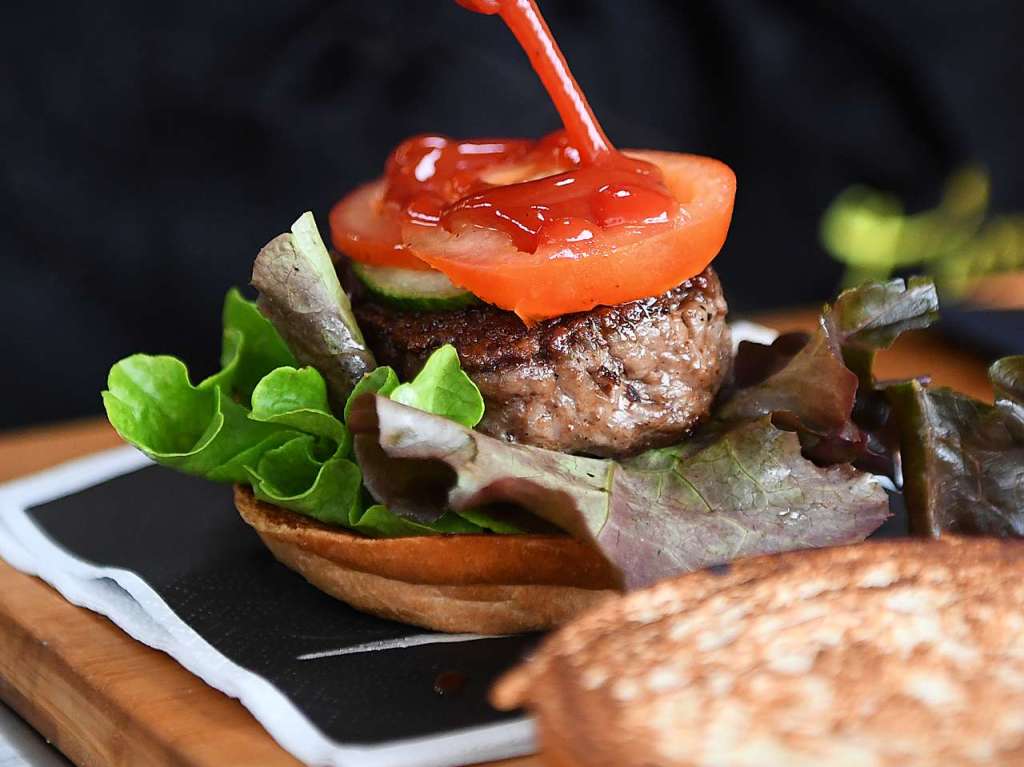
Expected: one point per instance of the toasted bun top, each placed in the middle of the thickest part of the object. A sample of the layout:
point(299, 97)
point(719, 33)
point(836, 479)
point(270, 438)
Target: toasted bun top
point(895, 653)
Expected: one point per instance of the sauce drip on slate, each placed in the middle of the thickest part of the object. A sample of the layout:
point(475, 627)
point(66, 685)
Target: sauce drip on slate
point(560, 189)
point(449, 683)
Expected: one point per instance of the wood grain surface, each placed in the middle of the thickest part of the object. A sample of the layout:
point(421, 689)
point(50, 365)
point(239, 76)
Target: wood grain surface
point(105, 699)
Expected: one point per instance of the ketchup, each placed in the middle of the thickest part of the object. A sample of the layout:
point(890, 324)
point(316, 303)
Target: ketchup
point(564, 188)
point(427, 174)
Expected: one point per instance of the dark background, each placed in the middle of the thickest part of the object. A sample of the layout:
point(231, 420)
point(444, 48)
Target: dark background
point(149, 150)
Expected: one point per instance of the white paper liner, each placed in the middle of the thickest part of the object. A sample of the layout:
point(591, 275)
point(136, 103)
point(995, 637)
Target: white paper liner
point(128, 601)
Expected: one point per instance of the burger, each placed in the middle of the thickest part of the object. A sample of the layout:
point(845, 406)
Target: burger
point(509, 390)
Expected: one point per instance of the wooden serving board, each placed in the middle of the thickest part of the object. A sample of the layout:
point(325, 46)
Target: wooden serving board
point(104, 699)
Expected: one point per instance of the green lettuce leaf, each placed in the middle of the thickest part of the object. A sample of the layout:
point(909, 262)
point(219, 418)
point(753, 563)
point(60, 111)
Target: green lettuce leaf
point(298, 399)
point(383, 381)
point(444, 389)
point(250, 348)
point(294, 477)
point(195, 429)
point(378, 521)
point(202, 429)
point(263, 421)
point(963, 460)
point(441, 388)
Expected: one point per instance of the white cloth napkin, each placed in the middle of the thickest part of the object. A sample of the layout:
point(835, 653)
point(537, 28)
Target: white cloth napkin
point(129, 602)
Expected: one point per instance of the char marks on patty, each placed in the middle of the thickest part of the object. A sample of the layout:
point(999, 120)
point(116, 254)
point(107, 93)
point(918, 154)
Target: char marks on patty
point(611, 382)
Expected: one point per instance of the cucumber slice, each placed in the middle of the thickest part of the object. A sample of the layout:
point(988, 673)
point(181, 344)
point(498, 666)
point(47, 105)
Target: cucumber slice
point(413, 289)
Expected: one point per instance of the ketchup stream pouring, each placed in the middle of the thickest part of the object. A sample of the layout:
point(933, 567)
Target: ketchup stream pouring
point(546, 227)
point(605, 189)
point(524, 19)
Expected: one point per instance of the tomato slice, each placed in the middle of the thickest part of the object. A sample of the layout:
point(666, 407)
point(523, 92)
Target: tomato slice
point(616, 264)
point(365, 231)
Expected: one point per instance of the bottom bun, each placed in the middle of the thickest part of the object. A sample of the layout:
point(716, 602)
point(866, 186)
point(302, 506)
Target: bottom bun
point(482, 584)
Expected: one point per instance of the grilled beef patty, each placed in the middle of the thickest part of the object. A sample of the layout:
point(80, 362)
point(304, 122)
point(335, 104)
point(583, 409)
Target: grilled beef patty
point(609, 382)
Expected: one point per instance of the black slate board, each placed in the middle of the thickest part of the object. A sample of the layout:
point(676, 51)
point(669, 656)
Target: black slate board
point(183, 536)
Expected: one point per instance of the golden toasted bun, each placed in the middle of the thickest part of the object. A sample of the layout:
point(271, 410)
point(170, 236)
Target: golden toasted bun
point(484, 584)
point(891, 654)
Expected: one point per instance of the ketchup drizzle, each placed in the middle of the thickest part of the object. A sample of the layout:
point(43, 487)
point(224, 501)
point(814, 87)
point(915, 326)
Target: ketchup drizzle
point(523, 17)
point(565, 189)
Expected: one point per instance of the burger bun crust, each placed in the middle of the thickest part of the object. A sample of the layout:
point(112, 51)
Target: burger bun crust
point(481, 584)
point(890, 654)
